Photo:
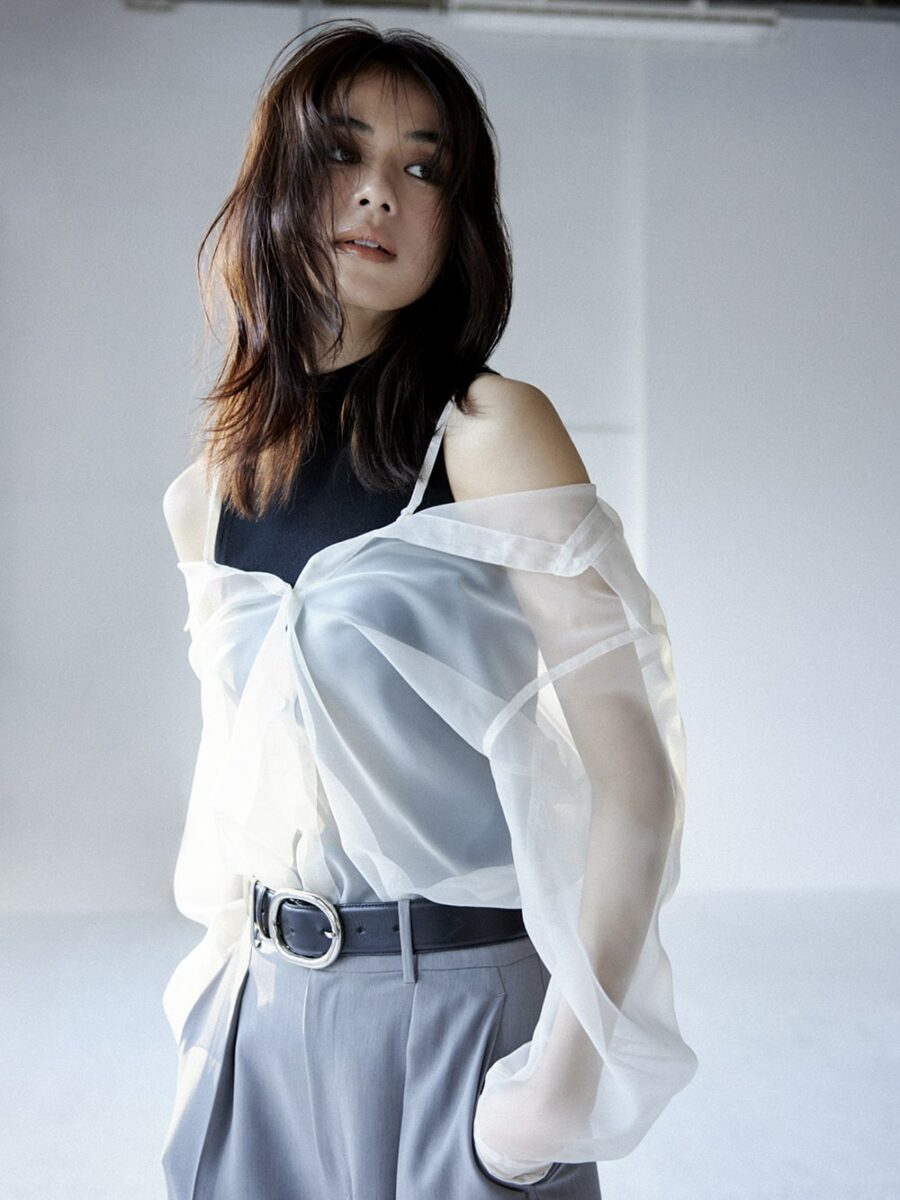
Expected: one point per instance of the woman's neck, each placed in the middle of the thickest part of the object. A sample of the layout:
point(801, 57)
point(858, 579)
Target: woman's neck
point(344, 359)
point(358, 343)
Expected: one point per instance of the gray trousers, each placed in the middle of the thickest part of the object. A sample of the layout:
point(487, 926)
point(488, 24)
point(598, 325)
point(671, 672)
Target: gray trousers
point(358, 1081)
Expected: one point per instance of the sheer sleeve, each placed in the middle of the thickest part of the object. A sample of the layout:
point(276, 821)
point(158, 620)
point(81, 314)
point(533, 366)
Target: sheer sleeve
point(595, 843)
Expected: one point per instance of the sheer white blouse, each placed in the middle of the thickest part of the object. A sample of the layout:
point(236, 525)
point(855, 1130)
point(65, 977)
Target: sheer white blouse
point(516, 627)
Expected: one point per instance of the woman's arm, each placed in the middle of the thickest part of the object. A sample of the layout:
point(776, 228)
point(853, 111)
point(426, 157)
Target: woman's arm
point(513, 440)
point(517, 442)
point(185, 507)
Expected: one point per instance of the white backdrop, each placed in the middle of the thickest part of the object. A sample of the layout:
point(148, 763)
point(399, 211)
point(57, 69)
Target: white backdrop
point(707, 256)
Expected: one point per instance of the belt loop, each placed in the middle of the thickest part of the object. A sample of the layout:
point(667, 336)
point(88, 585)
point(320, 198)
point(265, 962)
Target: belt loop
point(406, 942)
point(260, 906)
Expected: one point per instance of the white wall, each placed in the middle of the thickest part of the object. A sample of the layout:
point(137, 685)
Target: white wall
point(773, 303)
point(707, 253)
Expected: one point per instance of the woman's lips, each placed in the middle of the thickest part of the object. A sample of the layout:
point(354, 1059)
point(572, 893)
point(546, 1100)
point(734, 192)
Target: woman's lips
point(368, 252)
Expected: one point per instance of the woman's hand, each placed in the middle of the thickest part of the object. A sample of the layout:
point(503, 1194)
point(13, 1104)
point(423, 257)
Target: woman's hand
point(511, 1134)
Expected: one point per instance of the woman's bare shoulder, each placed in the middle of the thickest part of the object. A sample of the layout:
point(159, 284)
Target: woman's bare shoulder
point(512, 440)
point(186, 507)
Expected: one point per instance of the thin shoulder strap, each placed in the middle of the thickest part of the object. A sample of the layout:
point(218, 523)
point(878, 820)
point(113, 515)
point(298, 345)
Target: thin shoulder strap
point(212, 513)
point(428, 462)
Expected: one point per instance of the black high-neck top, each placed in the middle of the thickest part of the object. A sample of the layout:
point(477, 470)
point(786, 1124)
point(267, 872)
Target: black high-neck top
point(327, 503)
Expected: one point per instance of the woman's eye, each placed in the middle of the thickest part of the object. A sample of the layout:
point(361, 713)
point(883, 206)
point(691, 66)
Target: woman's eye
point(341, 150)
point(431, 172)
point(343, 155)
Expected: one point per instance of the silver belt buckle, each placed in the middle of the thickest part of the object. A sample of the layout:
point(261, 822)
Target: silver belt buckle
point(335, 933)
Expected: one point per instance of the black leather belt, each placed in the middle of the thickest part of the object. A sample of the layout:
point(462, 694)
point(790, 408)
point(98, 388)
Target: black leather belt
point(309, 929)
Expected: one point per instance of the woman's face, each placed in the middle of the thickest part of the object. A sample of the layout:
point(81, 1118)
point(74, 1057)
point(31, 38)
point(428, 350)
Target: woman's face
point(383, 189)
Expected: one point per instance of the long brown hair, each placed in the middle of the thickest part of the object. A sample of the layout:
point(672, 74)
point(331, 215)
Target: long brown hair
point(273, 260)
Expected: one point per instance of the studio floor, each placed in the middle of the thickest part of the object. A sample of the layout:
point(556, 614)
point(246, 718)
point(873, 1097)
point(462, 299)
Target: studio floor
point(790, 1000)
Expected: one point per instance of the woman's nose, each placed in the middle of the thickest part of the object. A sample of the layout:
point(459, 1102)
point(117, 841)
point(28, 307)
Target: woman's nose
point(375, 188)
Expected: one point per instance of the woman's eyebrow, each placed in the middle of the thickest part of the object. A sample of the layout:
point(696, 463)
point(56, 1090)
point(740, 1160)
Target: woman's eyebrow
point(415, 135)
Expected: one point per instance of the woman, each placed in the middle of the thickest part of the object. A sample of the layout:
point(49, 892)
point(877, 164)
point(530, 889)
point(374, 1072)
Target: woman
point(439, 792)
